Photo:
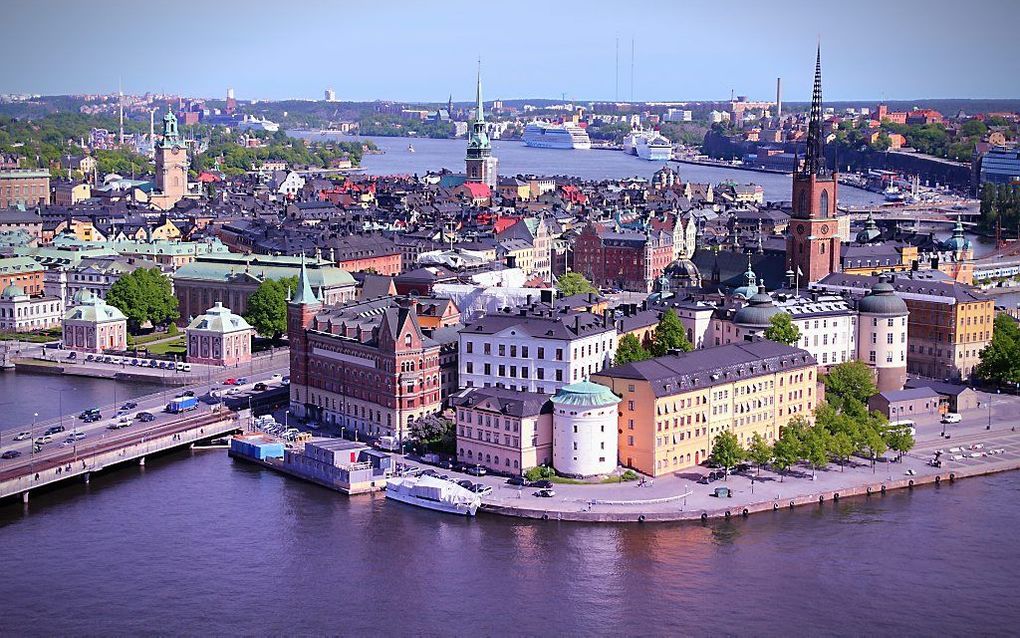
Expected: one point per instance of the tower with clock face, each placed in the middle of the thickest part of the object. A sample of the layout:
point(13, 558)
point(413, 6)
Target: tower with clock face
point(812, 242)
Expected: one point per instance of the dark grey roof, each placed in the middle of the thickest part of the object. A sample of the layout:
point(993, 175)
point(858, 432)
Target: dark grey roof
point(882, 300)
point(909, 394)
point(758, 312)
point(503, 401)
point(943, 388)
point(918, 283)
point(540, 324)
point(672, 374)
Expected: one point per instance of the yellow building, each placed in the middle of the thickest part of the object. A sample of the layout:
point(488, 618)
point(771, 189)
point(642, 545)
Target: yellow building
point(674, 406)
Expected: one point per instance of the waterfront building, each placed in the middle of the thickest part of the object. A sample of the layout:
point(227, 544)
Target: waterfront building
point(813, 243)
point(674, 406)
point(480, 164)
point(364, 366)
point(585, 439)
point(24, 187)
point(539, 348)
point(171, 166)
point(503, 430)
point(907, 404)
point(92, 325)
point(20, 312)
point(1000, 165)
point(883, 335)
point(219, 337)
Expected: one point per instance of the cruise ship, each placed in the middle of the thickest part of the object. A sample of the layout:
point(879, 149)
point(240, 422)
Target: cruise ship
point(546, 135)
point(648, 145)
point(434, 494)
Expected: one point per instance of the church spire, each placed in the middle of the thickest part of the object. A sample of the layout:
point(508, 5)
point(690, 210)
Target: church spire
point(304, 295)
point(479, 113)
point(814, 162)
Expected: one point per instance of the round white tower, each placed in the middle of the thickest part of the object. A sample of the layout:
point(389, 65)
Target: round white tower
point(882, 334)
point(584, 429)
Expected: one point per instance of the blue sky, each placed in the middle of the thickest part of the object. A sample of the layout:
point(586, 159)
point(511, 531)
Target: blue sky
point(408, 50)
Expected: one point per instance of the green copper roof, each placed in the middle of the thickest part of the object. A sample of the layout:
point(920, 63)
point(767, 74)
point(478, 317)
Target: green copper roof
point(585, 394)
point(304, 294)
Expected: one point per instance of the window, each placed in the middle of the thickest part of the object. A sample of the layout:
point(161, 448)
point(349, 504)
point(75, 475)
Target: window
point(541, 353)
point(502, 350)
point(470, 347)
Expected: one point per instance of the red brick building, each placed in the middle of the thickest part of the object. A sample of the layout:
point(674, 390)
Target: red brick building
point(627, 259)
point(365, 366)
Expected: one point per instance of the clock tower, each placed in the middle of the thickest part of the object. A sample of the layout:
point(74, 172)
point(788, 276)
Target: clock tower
point(812, 242)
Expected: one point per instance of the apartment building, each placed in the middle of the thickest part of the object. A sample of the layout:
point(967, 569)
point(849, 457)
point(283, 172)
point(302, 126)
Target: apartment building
point(503, 430)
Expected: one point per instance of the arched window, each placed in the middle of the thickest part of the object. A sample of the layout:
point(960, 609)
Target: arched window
point(824, 203)
point(802, 202)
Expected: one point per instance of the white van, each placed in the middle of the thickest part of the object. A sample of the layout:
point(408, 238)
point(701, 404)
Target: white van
point(951, 417)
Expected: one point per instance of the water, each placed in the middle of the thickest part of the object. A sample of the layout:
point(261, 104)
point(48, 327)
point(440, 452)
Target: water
point(515, 158)
point(200, 544)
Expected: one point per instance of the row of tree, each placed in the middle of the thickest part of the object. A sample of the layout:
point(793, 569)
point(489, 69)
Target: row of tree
point(1000, 204)
point(1000, 359)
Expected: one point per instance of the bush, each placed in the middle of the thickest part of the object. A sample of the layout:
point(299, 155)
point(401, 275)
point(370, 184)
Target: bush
point(629, 475)
point(538, 473)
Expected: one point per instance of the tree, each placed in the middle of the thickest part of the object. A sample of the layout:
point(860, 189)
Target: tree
point(1000, 359)
point(172, 329)
point(144, 295)
point(629, 350)
point(787, 450)
point(669, 335)
point(433, 432)
point(841, 446)
point(782, 330)
point(972, 128)
point(874, 444)
point(760, 451)
point(900, 440)
point(815, 448)
point(267, 307)
point(850, 380)
point(574, 283)
point(726, 450)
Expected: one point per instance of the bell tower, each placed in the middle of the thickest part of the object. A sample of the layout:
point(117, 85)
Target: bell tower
point(479, 164)
point(812, 241)
point(171, 164)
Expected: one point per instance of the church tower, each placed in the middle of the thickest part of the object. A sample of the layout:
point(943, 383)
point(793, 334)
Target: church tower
point(171, 165)
point(480, 165)
point(301, 310)
point(812, 242)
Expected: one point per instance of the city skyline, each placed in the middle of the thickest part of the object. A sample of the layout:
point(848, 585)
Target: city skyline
point(429, 57)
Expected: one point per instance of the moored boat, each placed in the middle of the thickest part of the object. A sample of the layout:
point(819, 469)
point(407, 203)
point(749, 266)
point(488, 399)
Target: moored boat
point(434, 494)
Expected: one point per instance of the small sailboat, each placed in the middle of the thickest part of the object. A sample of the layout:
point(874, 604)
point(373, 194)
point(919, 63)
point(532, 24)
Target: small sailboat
point(410, 148)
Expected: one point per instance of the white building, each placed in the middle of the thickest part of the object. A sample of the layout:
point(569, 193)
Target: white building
point(585, 434)
point(882, 336)
point(21, 313)
point(536, 349)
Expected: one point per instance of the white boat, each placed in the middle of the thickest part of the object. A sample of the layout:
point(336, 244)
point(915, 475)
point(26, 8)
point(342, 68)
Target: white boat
point(434, 494)
point(654, 147)
point(893, 194)
point(545, 135)
point(410, 148)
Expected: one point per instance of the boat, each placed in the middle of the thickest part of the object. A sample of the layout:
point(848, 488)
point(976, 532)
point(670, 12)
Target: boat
point(893, 194)
point(434, 494)
point(410, 148)
point(565, 136)
point(654, 147)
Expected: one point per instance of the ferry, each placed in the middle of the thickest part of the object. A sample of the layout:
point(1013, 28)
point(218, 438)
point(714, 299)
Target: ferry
point(655, 148)
point(434, 494)
point(564, 136)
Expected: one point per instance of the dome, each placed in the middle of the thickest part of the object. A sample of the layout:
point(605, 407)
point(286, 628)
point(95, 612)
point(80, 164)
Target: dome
point(750, 287)
point(758, 312)
point(585, 394)
point(882, 300)
point(957, 242)
point(870, 232)
point(12, 291)
point(683, 269)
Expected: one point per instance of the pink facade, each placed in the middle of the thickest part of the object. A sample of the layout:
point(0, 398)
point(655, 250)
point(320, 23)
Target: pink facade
point(95, 337)
point(219, 337)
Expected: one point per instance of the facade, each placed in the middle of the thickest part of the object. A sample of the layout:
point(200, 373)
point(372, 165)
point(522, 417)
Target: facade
point(71, 193)
point(813, 243)
point(502, 430)
point(171, 166)
point(21, 313)
point(630, 259)
point(536, 349)
point(23, 272)
point(219, 337)
point(909, 404)
point(1000, 165)
point(584, 429)
point(24, 187)
point(883, 335)
point(363, 253)
point(673, 407)
point(29, 222)
point(98, 274)
point(365, 366)
point(94, 326)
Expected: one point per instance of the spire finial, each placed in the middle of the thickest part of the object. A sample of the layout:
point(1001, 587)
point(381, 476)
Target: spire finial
point(479, 114)
point(813, 159)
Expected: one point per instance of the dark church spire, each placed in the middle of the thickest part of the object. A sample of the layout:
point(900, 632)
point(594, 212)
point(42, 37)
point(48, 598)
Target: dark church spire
point(814, 161)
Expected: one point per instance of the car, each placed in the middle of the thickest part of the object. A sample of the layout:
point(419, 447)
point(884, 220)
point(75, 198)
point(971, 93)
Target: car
point(76, 436)
point(430, 472)
point(276, 377)
point(187, 393)
point(476, 470)
point(153, 363)
point(519, 481)
point(241, 381)
point(543, 484)
point(43, 440)
point(259, 387)
point(130, 405)
point(116, 425)
point(22, 436)
point(72, 355)
point(742, 467)
point(90, 357)
point(481, 490)
point(544, 493)
point(466, 484)
point(230, 381)
point(56, 429)
point(705, 480)
point(10, 454)
point(447, 464)
point(460, 467)
point(951, 417)
point(286, 379)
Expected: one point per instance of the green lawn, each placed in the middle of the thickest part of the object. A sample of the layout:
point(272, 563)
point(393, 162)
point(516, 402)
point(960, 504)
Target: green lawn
point(177, 346)
point(31, 337)
point(143, 339)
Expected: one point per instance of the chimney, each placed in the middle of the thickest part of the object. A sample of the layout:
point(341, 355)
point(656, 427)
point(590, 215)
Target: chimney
point(607, 317)
point(529, 300)
point(577, 324)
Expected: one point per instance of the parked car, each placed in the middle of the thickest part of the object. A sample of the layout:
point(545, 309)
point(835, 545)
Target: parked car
point(517, 480)
point(10, 454)
point(951, 417)
point(476, 470)
point(90, 357)
point(466, 484)
point(545, 493)
point(153, 363)
point(22, 436)
point(544, 484)
point(72, 355)
point(481, 490)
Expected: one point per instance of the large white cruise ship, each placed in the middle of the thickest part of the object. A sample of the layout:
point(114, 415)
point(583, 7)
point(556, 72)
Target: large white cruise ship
point(648, 145)
point(434, 494)
point(546, 135)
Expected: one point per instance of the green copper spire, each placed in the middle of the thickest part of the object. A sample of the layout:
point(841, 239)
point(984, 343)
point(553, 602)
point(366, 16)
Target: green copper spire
point(170, 134)
point(479, 145)
point(304, 294)
point(479, 113)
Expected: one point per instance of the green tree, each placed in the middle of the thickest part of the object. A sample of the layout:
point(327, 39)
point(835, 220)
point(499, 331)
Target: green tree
point(900, 440)
point(1000, 359)
point(759, 451)
point(841, 446)
point(970, 128)
point(787, 450)
point(874, 444)
point(669, 335)
point(629, 350)
point(171, 329)
point(815, 448)
point(144, 295)
point(434, 433)
point(574, 283)
point(850, 380)
point(267, 307)
point(782, 330)
point(726, 450)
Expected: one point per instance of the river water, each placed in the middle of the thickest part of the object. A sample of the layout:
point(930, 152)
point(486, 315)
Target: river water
point(195, 543)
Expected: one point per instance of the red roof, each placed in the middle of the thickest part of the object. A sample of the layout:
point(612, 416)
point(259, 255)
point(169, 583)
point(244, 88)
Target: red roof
point(208, 178)
point(478, 190)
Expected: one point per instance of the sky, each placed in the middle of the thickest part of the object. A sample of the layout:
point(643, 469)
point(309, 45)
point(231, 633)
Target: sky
point(424, 51)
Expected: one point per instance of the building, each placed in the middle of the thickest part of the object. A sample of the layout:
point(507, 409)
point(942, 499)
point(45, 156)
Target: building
point(97, 274)
point(535, 349)
point(505, 431)
point(92, 325)
point(909, 404)
point(357, 253)
point(627, 259)
point(883, 331)
point(20, 312)
point(171, 166)
point(24, 187)
point(71, 193)
point(365, 366)
point(23, 272)
point(674, 406)
point(480, 164)
point(1000, 165)
point(29, 222)
point(585, 439)
point(219, 337)
point(813, 243)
